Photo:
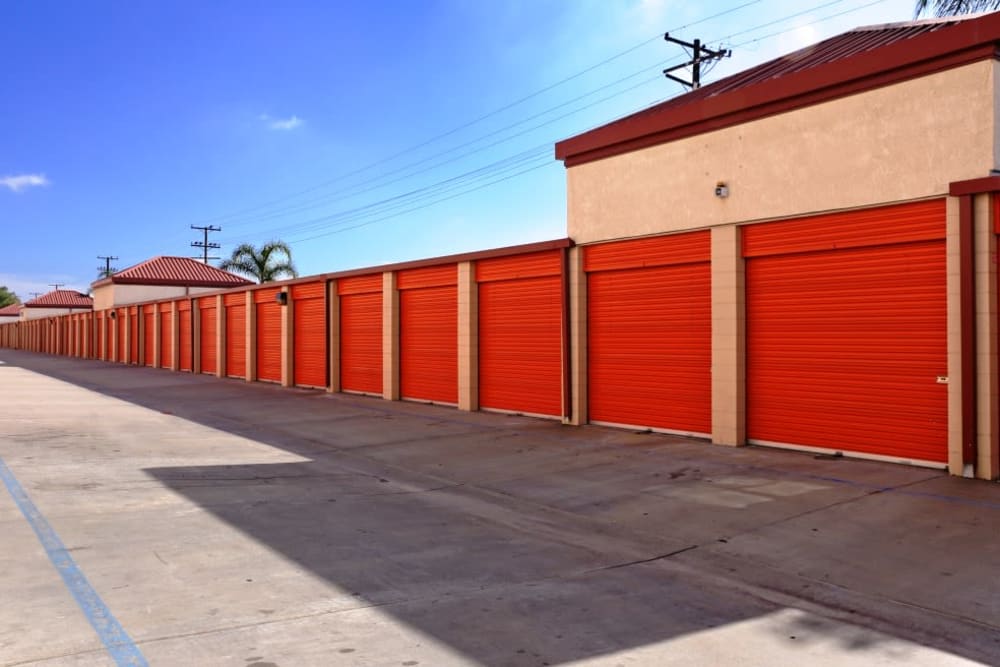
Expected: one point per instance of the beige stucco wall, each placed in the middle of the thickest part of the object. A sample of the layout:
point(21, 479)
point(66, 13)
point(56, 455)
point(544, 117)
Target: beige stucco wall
point(39, 313)
point(901, 142)
point(107, 296)
point(4, 319)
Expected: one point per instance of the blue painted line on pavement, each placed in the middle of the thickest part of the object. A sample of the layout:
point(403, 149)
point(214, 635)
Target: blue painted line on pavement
point(119, 645)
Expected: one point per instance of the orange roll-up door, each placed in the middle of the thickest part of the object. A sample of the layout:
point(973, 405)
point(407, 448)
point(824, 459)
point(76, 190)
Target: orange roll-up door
point(185, 335)
point(428, 333)
point(166, 335)
point(133, 323)
point(148, 333)
point(520, 333)
point(122, 324)
point(236, 335)
point(361, 333)
point(309, 307)
point(209, 332)
point(268, 326)
point(649, 305)
point(847, 332)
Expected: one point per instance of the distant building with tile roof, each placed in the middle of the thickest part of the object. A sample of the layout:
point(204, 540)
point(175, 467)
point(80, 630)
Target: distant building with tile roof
point(11, 313)
point(56, 302)
point(161, 278)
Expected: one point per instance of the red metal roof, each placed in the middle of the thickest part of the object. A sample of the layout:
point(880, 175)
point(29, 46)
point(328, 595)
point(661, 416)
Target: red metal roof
point(182, 271)
point(12, 309)
point(61, 298)
point(861, 59)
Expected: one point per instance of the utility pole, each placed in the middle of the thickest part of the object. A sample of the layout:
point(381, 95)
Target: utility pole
point(56, 286)
point(700, 54)
point(107, 270)
point(204, 244)
point(35, 295)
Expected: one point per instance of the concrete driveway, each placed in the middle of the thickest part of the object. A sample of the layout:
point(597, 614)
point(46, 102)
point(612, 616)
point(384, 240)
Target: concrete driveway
point(170, 519)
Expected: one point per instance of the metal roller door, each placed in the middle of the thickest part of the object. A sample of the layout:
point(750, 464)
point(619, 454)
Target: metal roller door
point(121, 323)
point(361, 333)
point(148, 334)
point(133, 325)
point(520, 333)
point(108, 332)
point(309, 308)
point(428, 333)
point(185, 336)
point(236, 335)
point(268, 329)
point(209, 332)
point(846, 332)
point(649, 306)
point(166, 335)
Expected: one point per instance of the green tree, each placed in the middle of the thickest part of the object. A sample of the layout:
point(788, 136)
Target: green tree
point(952, 7)
point(271, 261)
point(7, 297)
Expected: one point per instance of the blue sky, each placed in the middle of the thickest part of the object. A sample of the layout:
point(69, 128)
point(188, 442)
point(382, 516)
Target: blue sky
point(361, 133)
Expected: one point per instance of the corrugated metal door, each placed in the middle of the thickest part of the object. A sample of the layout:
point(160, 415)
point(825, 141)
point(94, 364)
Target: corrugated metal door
point(149, 333)
point(186, 335)
point(847, 332)
point(268, 325)
point(166, 335)
point(236, 332)
point(133, 318)
point(428, 333)
point(520, 333)
point(209, 331)
point(649, 305)
point(121, 323)
point(361, 333)
point(309, 307)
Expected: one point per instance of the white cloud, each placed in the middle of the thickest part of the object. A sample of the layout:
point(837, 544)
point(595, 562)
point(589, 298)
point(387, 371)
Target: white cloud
point(22, 181)
point(282, 123)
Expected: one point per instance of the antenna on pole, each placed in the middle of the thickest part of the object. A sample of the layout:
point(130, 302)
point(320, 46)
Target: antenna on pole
point(35, 295)
point(700, 54)
point(56, 285)
point(204, 244)
point(108, 269)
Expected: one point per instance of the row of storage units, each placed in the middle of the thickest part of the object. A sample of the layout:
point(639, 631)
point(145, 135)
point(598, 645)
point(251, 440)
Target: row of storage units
point(844, 346)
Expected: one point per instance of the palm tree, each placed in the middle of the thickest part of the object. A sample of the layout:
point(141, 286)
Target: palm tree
point(952, 7)
point(272, 261)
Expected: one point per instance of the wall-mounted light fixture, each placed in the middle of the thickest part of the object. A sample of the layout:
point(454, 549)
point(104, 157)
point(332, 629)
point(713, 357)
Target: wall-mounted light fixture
point(721, 190)
point(282, 298)
point(113, 315)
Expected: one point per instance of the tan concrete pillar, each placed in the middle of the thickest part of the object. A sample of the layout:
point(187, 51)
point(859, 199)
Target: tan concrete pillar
point(127, 358)
point(157, 353)
point(251, 338)
point(333, 306)
point(578, 338)
point(468, 337)
point(195, 337)
point(114, 336)
point(954, 290)
point(390, 337)
point(987, 331)
point(728, 338)
point(288, 340)
point(220, 336)
point(175, 337)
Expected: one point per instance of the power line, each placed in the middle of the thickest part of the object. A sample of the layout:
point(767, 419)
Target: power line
point(204, 244)
point(56, 286)
point(479, 119)
point(107, 270)
point(344, 217)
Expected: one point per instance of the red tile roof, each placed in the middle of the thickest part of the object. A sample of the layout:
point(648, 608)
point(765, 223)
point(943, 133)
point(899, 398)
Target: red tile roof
point(861, 59)
point(61, 298)
point(174, 271)
point(12, 309)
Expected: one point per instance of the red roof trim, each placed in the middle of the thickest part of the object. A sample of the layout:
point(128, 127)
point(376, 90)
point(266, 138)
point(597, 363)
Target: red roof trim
point(974, 186)
point(174, 271)
point(965, 42)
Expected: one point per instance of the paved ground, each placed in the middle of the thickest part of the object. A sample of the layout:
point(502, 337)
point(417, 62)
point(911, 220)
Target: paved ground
point(230, 524)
